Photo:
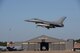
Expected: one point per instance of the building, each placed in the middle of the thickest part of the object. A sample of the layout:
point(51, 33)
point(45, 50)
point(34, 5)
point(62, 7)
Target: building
point(46, 43)
point(76, 46)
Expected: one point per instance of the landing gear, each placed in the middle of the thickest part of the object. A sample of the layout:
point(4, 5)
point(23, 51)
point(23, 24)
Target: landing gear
point(47, 27)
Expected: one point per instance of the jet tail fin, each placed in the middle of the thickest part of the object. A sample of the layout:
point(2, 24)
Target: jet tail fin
point(61, 20)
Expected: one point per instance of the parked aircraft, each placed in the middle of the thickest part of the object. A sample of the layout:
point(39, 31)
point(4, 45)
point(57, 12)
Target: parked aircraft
point(48, 24)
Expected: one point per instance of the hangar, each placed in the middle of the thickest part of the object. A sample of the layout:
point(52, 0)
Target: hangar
point(46, 43)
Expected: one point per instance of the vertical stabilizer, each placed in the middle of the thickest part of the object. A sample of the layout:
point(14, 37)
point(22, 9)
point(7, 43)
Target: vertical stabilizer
point(61, 20)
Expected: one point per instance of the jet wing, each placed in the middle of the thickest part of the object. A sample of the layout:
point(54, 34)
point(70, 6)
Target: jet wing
point(37, 21)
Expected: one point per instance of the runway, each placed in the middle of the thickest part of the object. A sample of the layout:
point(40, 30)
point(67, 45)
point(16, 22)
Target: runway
point(39, 52)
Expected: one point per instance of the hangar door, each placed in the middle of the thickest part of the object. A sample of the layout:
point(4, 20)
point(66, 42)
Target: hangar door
point(44, 46)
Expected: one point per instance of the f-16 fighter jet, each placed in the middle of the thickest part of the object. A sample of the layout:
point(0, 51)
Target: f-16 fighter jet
point(48, 24)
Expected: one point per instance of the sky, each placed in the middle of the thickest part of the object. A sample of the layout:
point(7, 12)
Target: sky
point(14, 12)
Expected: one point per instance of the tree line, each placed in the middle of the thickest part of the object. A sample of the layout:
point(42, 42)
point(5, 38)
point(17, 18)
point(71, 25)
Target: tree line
point(78, 40)
point(3, 43)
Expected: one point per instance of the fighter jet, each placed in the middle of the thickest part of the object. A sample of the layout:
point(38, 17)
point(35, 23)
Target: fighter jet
point(48, 24)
